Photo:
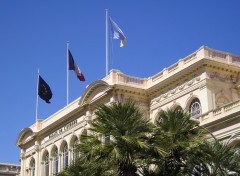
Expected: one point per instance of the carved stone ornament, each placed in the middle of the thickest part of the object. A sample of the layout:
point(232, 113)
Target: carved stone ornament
point(220, 77)
point(221, 99)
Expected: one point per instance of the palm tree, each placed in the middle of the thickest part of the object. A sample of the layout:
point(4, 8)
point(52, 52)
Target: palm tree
point(121, 142)
point(113, 143)
point(74, 169)
point(217, 159)
point(176, 136)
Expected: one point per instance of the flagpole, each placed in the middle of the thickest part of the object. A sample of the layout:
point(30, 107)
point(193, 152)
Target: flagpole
point(106, 42)
point(67, 70)
point(37, 97)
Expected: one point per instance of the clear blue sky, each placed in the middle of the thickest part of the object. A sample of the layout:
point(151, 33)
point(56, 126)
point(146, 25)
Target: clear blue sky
point(33, 34)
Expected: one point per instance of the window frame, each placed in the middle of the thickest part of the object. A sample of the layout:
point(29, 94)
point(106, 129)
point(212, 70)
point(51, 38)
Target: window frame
point(195, 108)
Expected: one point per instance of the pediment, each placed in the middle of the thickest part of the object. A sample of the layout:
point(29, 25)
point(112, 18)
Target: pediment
point(25, 135)
point(94, 91)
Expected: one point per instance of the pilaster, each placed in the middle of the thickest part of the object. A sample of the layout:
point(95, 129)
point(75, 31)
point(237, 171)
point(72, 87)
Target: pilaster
point(23, 163)
point(37, 158)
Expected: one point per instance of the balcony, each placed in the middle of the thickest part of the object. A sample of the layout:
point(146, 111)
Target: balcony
point(231, 109)
point(117, 77)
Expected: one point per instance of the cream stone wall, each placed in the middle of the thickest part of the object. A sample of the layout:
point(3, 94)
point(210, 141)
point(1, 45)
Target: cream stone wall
point(9, 169)
point(209, 75)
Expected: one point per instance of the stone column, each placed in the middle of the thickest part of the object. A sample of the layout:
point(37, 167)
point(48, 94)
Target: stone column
point(60, 162)
point(42, 168)
point(23, 163)
point(70, 155)
point(37, 159)
point(50, 166)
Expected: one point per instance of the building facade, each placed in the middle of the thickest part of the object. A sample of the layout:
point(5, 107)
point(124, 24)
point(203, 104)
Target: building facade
point(9, 169)
point(206, 83)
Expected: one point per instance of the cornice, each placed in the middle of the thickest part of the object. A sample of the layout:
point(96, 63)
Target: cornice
point(201, 65)
point(221, 65)
point(80, 106)
point(183, 92)
point(176, 78)
point(73, 110)
point(61, 136)
point(25, 131)
point(60, 122)
point(91, 88)
point(130, 90)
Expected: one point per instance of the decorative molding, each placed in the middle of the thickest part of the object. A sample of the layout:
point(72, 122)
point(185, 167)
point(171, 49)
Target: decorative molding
point(176, 90)
point(202, 87)
point(188, 90)
point(220, 77)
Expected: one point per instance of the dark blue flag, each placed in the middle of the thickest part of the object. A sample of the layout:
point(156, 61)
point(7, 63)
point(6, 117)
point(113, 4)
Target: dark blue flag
point(44, 90)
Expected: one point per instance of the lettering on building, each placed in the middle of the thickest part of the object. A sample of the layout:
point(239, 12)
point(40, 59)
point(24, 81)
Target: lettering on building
point(64, 128)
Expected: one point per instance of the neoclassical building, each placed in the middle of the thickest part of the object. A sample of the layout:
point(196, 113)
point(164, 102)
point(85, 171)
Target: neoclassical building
point(9, 169)
point(206, 83)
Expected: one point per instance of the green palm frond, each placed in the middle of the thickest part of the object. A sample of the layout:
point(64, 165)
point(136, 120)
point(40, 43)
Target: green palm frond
point(175, 146)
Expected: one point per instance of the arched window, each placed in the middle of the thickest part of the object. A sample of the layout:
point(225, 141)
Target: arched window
point(46, 165)
point(195, 108)
point(65, 156)
point(75, 144)
point(32, 168)
point(55, 162)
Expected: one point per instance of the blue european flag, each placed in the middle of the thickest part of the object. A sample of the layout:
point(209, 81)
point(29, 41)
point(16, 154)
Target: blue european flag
point(44, 90)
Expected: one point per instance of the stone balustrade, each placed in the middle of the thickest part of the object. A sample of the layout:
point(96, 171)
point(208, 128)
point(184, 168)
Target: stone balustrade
point(117, 77)
point(219, 113)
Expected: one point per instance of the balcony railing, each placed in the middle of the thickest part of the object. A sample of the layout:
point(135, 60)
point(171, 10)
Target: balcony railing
point(116, 76)
point(219, 113)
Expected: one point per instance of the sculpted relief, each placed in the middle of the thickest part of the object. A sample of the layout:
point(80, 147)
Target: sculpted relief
point(223, 77)
point(221, 100)
point(176, 89)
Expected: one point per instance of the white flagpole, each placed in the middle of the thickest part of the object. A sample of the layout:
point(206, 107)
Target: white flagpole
point(67, 70)
point(106, 42)
point(37, 97)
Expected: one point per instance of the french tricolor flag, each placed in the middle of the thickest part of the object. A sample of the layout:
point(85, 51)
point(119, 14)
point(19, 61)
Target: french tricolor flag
point(73, 66)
